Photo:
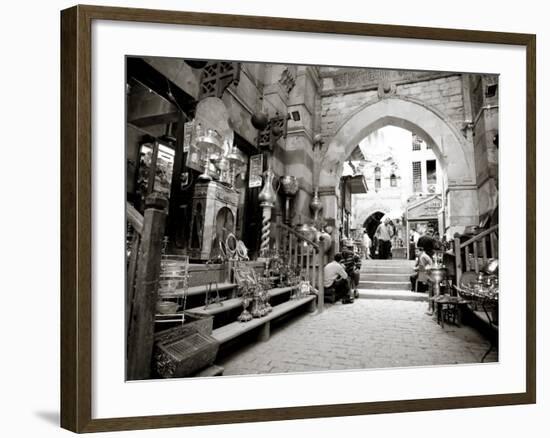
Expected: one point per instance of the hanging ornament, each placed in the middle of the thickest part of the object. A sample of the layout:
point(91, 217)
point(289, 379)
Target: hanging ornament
point(259, 120)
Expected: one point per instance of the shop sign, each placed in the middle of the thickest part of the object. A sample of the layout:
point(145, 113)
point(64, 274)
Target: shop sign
point(428, 209)
point(256, 170)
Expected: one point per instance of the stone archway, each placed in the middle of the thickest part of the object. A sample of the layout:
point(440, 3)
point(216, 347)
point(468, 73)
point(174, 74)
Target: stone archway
point(454, 152)
point(372, 221)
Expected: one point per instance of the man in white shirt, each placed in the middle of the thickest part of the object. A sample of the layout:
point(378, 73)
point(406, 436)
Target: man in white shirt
point(384, 234)
point(337, 278)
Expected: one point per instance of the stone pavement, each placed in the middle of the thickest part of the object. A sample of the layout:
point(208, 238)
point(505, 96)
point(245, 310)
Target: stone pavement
point(366, 334)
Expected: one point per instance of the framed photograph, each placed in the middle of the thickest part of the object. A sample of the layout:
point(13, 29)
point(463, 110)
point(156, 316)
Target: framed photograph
point(362, 161)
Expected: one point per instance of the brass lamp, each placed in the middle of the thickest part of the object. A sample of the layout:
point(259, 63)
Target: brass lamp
point(209, 143)
point(235, 163)
point(289, 187)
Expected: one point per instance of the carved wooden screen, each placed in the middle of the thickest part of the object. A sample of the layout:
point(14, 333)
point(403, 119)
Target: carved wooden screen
point(216, 77)
point(274, 130)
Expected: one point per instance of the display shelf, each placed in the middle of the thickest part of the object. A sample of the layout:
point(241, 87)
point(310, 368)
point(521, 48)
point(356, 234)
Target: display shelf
point(235, 329)
point(215, 308)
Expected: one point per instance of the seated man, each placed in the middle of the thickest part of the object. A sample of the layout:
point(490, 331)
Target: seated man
point(337, 278)
point(423, 263)
point(352, 265)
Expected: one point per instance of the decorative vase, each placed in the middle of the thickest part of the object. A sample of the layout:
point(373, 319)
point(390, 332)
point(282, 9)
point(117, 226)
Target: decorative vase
point(324, 239)
point(315, 205)
point(268, 195)
point(307, 231)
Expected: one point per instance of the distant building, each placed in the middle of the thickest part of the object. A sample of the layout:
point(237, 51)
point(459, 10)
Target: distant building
point(399, 167)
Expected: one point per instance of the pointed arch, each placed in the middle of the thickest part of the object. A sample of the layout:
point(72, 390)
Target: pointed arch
point(455, 155)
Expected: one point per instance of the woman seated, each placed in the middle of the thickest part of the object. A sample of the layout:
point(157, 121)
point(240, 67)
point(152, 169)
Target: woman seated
point(423, 263)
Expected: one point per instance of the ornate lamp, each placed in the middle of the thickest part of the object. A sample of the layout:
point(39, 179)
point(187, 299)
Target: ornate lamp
point(259, 120)
point(209, 143)
point(235, 163)
point(289, 187)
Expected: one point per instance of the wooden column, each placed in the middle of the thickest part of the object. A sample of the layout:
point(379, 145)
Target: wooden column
point(458, 260)
point(321, 263)
point(265, 331)
point(142, 319)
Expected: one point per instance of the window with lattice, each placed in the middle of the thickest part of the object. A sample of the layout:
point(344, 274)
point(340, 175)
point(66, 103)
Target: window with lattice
point(416, 143)
point(393, 180)
point(417, 176)
point(216, 77)
point(377, 178)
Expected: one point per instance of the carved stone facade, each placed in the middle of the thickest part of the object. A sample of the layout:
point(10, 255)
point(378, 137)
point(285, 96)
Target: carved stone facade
point(455, 114)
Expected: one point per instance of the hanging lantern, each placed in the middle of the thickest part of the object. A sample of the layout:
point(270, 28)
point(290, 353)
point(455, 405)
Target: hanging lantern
point(277, 131)
point(259, 120)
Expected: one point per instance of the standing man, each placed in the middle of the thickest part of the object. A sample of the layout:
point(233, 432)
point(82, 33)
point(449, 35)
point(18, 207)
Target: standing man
point(352, 265)
point(384, 235)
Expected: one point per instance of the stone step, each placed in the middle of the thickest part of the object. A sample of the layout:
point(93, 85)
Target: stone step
point(403, 295)
point(377, 276)
point(388, 263)
point(387, 270)
point(385, 285)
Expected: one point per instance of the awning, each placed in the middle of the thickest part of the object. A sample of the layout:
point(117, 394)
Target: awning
point(358, 184)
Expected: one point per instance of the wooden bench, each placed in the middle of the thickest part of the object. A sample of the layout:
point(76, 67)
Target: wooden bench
point(235, 329)
point(233, 303)
point(197, 290)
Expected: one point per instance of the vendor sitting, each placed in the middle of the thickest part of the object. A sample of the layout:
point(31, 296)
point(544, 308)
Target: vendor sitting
point(337, 278)
point(423, 263)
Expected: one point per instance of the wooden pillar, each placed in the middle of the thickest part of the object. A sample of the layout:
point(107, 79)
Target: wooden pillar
point(131, 277)
point(265, 331)
point(458, 260)
point(321, 263)
point(142, 320)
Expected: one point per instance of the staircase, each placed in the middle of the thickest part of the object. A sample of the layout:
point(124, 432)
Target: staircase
point(386, 274)
point(388, 279)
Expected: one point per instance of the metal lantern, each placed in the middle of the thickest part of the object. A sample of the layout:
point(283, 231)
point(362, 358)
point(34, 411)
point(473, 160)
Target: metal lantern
point(289, 187)
point(209, 143)
point(235, 163)
point(259, 120)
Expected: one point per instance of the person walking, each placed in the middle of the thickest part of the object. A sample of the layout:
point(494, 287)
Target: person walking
point(384, 235)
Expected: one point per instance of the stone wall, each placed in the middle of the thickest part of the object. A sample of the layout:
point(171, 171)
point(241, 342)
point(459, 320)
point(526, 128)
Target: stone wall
point(444, 94)
point(451, 107)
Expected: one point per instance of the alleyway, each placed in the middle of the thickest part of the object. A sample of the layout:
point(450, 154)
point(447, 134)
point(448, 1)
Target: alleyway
point(371, 333)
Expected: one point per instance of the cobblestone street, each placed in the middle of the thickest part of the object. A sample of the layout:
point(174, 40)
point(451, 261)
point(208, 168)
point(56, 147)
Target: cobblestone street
point(366, 334)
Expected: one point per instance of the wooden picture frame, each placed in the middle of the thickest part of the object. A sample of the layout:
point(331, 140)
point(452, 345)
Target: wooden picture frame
point(76, 218)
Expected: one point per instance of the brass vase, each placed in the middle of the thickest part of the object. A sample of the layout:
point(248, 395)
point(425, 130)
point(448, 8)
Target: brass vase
point(315, 205)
